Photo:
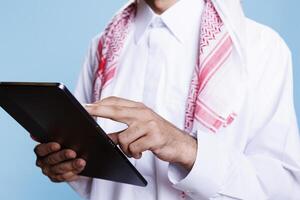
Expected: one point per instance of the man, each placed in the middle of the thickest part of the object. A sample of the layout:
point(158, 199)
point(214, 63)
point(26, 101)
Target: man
point(203, 97)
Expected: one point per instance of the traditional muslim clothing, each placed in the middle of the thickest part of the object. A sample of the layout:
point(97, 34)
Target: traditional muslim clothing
point(206, 68)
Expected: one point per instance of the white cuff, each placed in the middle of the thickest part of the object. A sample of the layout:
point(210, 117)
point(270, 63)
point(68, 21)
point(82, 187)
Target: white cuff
point(82, 186)
point(176, 173)
point(209, 170)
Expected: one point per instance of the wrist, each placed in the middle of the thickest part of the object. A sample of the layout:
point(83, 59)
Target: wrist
point(187, 152)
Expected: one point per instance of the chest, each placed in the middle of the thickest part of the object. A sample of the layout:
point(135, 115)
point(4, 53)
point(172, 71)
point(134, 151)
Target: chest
point(157, 71)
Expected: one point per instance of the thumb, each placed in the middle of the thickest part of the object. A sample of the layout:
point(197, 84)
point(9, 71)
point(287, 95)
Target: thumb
point(114, 137)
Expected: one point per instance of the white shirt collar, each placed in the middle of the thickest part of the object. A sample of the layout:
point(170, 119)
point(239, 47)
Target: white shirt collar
point(181, 19)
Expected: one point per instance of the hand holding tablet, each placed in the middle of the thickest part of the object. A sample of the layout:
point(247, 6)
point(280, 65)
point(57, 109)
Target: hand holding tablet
point(58, 164)
point(50, 113)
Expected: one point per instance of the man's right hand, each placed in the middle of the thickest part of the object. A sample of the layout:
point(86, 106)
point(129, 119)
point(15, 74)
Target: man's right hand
point(58, 164)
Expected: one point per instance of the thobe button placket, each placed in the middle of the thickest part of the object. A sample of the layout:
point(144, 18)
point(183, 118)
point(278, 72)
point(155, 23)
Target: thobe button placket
point(155, 62)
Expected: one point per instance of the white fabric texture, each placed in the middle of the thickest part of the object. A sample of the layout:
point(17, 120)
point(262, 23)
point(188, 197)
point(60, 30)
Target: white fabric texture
point(243, 161)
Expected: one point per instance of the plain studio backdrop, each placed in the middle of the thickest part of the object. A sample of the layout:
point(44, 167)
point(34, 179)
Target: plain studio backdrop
point(43, 40)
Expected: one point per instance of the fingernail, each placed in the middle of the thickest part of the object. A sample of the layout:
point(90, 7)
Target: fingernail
point(70, 154)
point(87, 105)
point(80, 163)
point(55, 147)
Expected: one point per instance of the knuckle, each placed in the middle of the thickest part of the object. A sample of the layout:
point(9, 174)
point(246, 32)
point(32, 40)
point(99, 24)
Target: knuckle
point(123, 138)
point(154, 137)
point(46, 160)
point(49, 160)
point(133, 148)
point(61, 168)
point(121, 112)
point(153, 125)
point(136, 128)
point(115, 110)
point(57, 169)
point(45, 171)
point(71, 165)
point(38, 163)
point(38, 149)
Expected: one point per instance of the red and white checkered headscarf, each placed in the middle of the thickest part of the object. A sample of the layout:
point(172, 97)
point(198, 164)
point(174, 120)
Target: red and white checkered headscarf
point(215, 90)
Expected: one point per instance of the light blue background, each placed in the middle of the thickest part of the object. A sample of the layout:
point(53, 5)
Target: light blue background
point(43, 40)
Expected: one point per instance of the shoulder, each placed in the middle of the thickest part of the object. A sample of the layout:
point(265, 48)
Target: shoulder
point(269, 72)
point(262, 37)
point(268, 56)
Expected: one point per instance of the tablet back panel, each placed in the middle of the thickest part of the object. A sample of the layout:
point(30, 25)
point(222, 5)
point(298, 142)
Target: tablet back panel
point(50, 113)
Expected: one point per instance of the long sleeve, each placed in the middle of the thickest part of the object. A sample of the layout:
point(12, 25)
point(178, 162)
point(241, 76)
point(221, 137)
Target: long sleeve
point(268, 166)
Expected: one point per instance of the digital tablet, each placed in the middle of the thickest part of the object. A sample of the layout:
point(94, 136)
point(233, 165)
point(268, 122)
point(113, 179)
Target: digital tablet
point(50, 113)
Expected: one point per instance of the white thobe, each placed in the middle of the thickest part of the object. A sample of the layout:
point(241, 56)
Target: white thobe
point(243, 161)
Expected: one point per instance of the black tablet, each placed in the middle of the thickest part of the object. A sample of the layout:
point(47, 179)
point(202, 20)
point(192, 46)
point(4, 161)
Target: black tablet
point(50, 113)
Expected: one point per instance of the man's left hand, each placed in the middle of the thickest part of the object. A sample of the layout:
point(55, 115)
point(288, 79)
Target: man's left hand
point(146, 131)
